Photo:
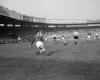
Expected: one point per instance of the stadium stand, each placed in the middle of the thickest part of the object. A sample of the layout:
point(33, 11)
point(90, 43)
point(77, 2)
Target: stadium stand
point(28, 24)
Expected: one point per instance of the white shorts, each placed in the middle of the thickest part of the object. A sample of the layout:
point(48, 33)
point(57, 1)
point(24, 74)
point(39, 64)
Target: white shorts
point(39, 44)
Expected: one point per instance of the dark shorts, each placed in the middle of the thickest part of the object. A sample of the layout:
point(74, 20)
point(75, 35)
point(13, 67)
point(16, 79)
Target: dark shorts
point(54, 38)
point(75, 37)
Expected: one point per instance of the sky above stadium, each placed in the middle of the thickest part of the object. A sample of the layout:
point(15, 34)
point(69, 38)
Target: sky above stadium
point(56, 9)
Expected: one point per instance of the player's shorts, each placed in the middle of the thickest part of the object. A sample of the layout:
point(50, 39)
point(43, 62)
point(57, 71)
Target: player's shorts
point(39, 44)
point(75, 37)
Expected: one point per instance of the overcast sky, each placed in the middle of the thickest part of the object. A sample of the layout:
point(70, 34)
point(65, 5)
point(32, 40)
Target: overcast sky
point(56, 9)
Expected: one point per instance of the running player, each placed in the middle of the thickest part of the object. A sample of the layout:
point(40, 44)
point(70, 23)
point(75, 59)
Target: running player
point(75, 33)
point(89, 36)
point(63, 40)
point(97, 35)
point(38, 39)
point(19, 39)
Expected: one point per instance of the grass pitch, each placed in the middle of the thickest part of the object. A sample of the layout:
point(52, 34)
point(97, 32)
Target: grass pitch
point(70, 62)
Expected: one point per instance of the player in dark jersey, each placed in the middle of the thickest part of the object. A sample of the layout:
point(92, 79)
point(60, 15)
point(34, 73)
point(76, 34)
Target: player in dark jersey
point(38, 39)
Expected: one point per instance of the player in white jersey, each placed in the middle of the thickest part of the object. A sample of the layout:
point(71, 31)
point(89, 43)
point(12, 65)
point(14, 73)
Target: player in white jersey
point(75, 33)
point(19, 39)
point(64, 40)
point(97, 35)
point(38, 39)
